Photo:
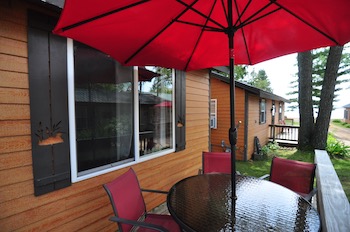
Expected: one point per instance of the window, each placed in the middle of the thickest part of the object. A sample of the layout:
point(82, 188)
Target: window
point(346, 114)
point(262, 119)
point(116, 116)
point(213, 113)
point(119, 115)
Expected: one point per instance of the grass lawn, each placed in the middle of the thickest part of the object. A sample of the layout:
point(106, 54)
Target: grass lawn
point(260, 168)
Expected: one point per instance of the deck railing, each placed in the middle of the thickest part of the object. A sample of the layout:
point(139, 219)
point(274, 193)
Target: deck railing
point(332, 203)
point(284, 132)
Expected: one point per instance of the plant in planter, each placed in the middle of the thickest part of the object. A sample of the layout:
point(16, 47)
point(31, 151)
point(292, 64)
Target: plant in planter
point(51, 135)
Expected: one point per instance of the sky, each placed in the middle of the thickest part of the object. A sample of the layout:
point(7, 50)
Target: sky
point(281, 71)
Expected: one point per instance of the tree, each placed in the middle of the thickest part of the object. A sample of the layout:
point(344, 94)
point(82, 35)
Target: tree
point(313, 134)
point(319, 138)
point(260, 80)
point(162, 83)
point(240, 72)
point(306, 115)
point(319, 58)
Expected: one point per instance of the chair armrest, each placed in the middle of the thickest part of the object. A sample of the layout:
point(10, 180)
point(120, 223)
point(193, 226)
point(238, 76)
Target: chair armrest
point(264, 176)
point(138, 223)
point(154, 191)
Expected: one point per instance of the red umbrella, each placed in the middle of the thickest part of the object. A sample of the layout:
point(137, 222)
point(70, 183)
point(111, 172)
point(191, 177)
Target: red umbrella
point(164, 104)
point(197, 34)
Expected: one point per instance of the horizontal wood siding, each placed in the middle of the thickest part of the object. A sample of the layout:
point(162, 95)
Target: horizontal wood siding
point(221, 91)
point(84, 206)
point(254, 127)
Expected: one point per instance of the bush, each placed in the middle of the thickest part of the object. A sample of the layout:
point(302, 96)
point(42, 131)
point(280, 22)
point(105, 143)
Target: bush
point(269, 148)
point(336, 148)
point(347, 125)
point(337, 121)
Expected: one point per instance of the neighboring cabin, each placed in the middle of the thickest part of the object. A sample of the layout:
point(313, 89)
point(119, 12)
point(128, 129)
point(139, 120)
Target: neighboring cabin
point(253, 109)
point(347, 113)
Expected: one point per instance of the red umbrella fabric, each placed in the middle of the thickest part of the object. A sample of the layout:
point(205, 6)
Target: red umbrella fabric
point(197, 34)
point(168, 104)
point(187, 35)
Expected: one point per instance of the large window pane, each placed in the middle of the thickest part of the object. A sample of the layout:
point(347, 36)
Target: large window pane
point(156, 109)
point(103, 108)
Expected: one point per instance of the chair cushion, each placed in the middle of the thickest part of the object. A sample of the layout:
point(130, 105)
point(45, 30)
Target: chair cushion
point(163, 220)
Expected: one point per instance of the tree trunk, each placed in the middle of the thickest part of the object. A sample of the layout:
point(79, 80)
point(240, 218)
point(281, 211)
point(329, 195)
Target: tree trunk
point(306, 116)
point(319, 138)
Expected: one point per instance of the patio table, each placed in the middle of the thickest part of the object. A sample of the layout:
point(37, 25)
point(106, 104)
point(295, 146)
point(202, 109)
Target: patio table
point(203, 203)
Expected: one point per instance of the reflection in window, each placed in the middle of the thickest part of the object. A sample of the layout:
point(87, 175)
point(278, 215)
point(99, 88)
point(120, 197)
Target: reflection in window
point(105, 113)
point(155, 88)
point(103, 108)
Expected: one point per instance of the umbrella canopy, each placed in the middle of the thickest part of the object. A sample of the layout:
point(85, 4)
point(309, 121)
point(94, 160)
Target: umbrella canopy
point(197, 34)
point(192, 34)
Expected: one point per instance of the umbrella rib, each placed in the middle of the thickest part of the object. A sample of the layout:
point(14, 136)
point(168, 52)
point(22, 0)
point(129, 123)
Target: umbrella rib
point(247, 22)
point(200, 36)
point(74, 25)
point(225, 11)
point(201, 14)
point(307, 23)
point(243, 34)
point(241, 14)
point(206, 27)
point(251, 18)
point(159, 32)
point(246, 46)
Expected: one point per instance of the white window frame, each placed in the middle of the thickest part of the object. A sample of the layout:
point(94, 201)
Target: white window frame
point(75, 176)
point(213, 113)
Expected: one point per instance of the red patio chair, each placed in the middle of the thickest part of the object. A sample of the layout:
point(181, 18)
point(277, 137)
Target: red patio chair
point(219, 162)
point(298, 176)
point(129, 207)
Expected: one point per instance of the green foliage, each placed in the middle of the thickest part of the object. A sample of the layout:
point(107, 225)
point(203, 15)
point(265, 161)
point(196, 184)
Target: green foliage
point(320, 57)
point(340, 123)
point(336, 148)
point(260, 80)
point(240, 72)
point(270, 148)
point(162, 83)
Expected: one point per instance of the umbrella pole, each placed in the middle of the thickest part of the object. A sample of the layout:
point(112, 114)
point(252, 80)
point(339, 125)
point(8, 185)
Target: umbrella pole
point(233, 129)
